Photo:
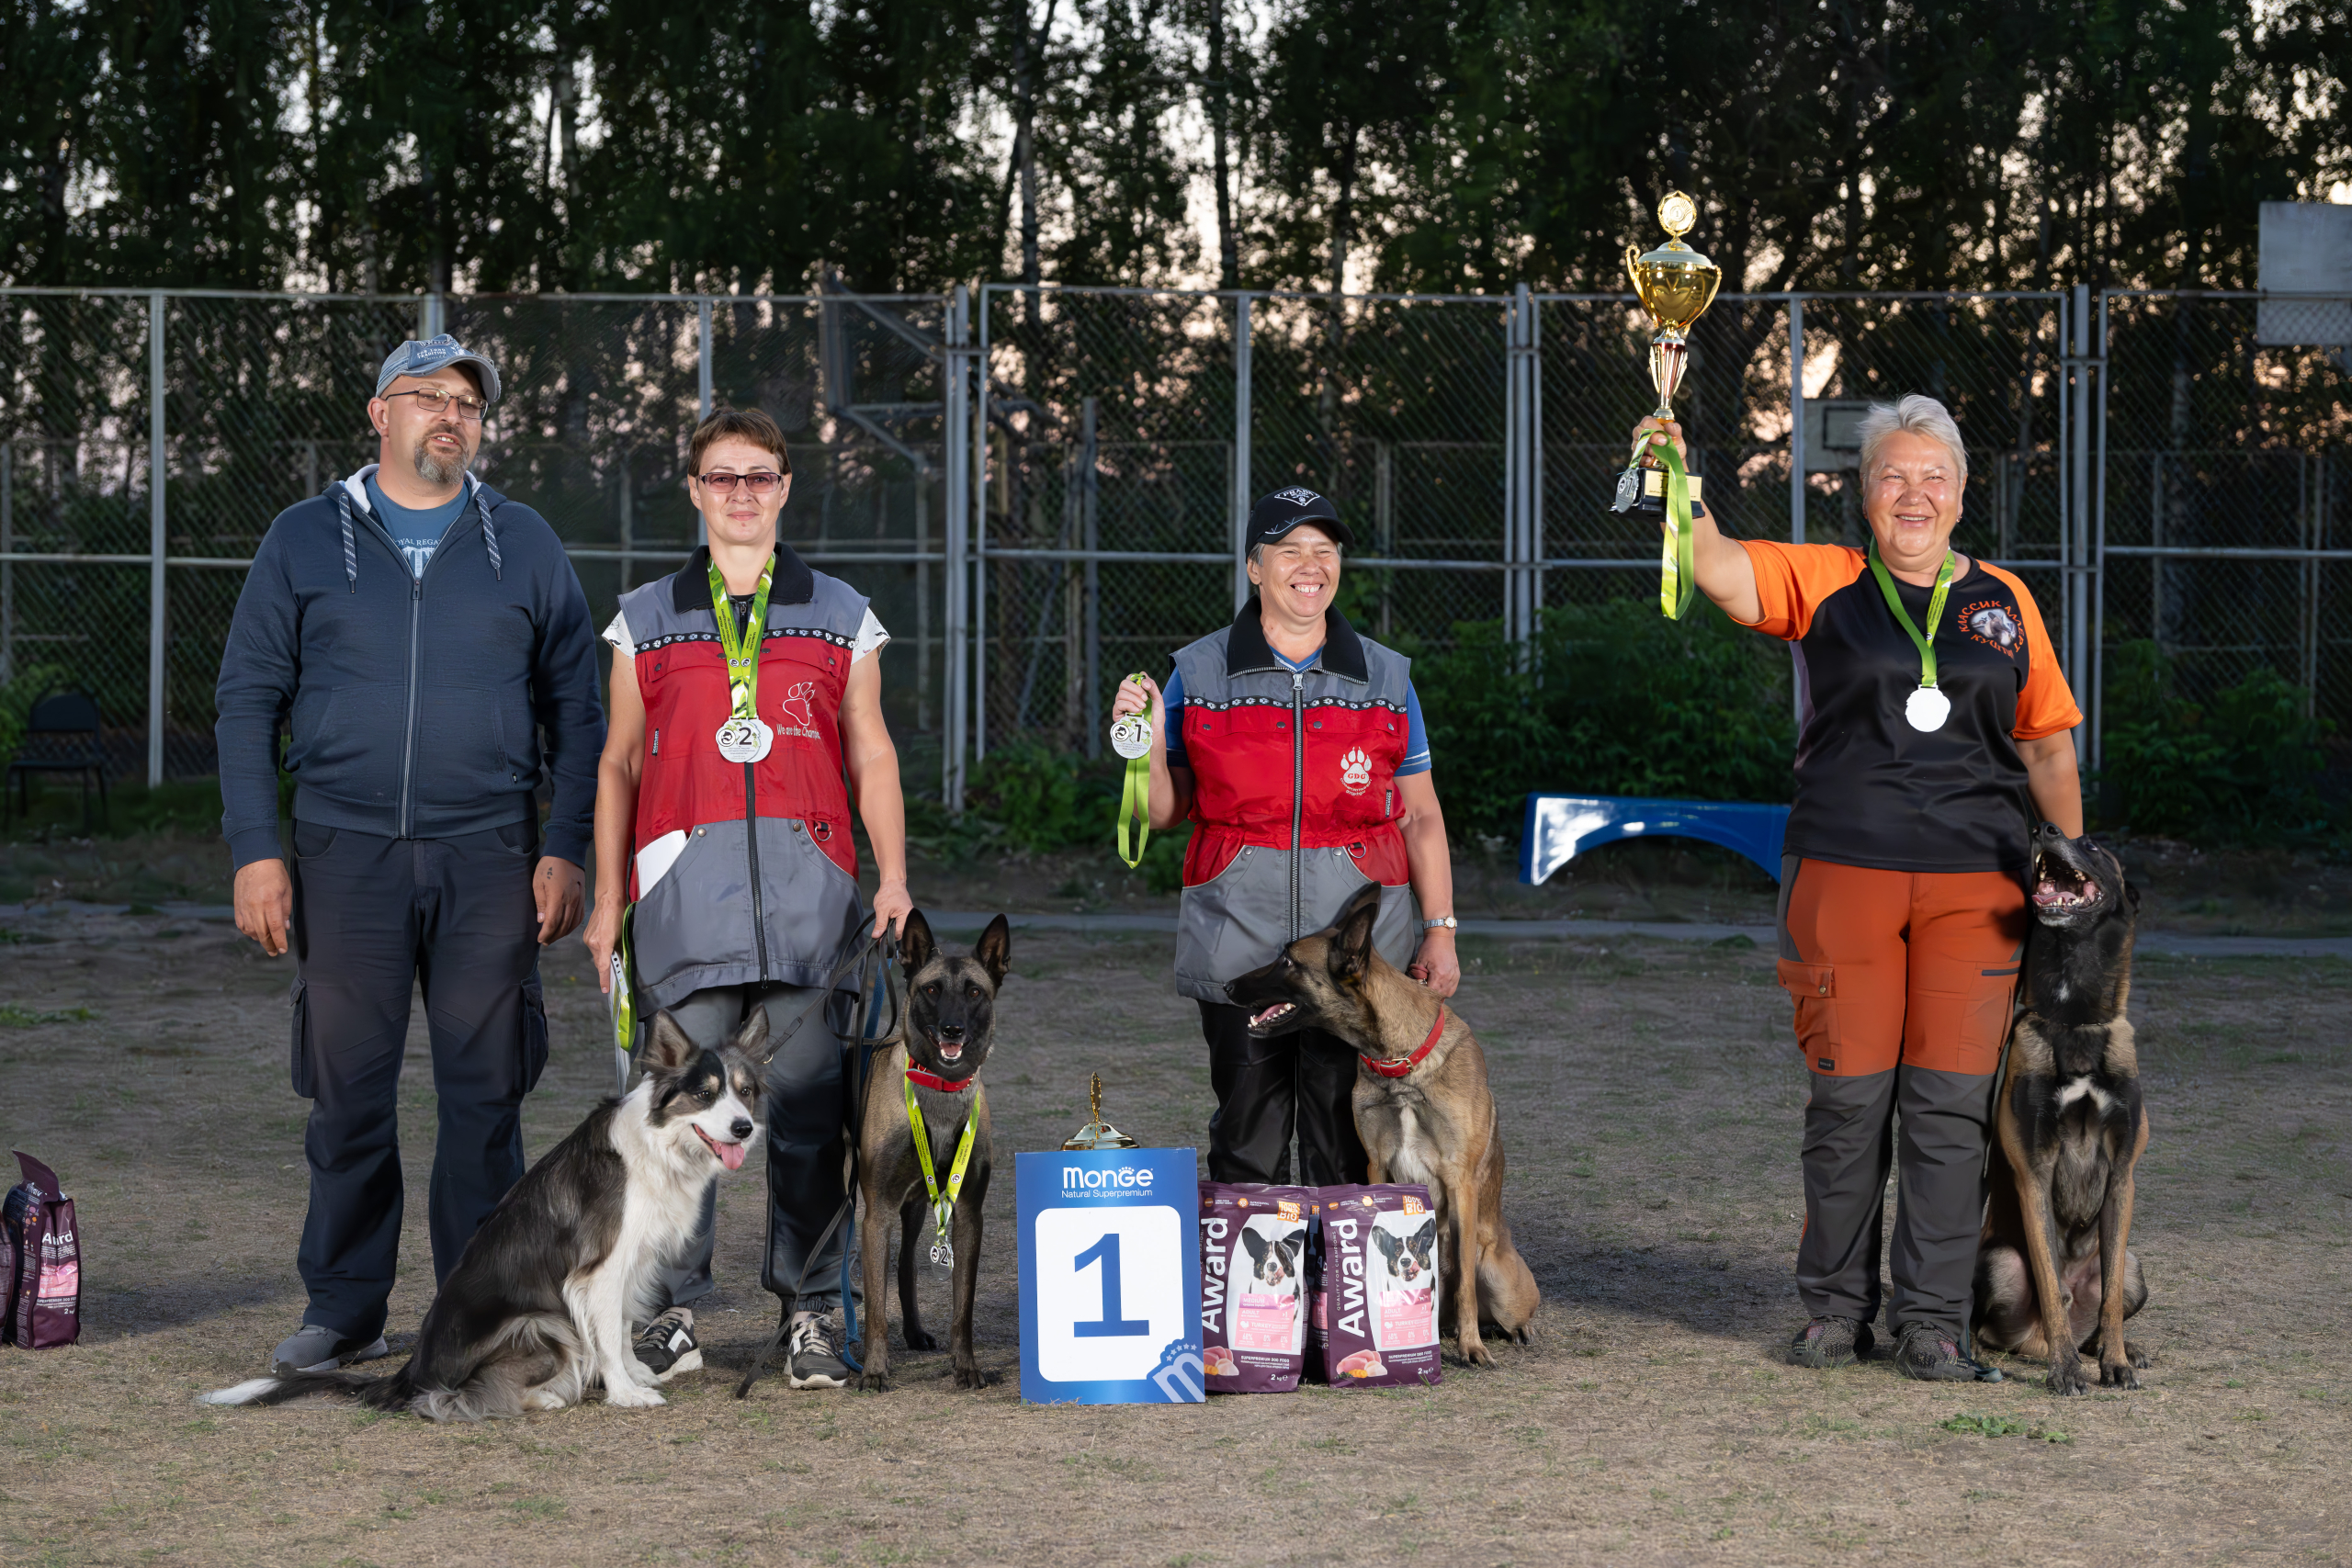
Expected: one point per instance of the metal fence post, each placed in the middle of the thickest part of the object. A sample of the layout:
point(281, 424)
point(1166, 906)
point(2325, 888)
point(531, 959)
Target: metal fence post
point(2099, 558)
point(702, 375)
point(1534, 327)
point(961, 468)
point(430, 310)
point(1796, 419)
point(2078, 507)
point(1515, 555)
point(1090, 518)
point(1241, 496)
point(7, 566)
point(156, 645)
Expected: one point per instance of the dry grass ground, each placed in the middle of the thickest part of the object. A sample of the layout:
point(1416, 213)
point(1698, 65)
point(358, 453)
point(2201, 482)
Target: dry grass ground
point(1651, 1104)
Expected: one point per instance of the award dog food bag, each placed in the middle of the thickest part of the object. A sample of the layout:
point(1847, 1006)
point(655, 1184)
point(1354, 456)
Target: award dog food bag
point(1383, 1286)
point(38, 1220)
point(1253, 1286)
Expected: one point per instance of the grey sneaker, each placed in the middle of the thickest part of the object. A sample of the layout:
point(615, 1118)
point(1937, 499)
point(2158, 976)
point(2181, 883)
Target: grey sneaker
point(1927, 1353)
point(1831, 1342)
point(317, 1349)
point(667, 1345)
point(814, 1358)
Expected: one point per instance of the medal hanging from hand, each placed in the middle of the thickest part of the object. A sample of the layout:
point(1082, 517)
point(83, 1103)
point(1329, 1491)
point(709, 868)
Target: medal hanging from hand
point(745, 737)
point(1927, 708)
point(1131, 738)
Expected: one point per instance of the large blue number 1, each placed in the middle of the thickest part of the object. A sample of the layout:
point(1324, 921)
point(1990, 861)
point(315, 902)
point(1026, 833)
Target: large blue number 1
point(1110, 1326)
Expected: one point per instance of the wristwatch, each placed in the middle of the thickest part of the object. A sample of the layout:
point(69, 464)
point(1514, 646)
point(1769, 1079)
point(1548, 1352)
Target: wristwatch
point(1443, 922)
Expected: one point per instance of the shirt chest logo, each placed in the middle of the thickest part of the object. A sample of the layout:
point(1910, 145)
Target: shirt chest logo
point(794, 707)
point(1355, 771)
point(1990, 623)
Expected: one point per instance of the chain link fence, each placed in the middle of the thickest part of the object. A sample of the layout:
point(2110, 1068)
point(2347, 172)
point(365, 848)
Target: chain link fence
point(1043, 489)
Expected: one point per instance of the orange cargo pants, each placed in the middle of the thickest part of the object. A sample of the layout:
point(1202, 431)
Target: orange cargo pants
point(1902, 983)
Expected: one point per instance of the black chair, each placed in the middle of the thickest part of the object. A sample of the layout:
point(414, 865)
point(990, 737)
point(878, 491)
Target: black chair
point(61, 737)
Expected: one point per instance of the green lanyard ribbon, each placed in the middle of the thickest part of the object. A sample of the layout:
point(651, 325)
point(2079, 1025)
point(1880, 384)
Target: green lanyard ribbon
point(943, 1209)
point(742, 648)
point(1135, 801)
point(1677, 579)
point(1927, 644)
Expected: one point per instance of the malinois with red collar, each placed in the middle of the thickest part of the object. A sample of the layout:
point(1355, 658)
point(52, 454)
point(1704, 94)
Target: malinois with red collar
point(1422, 1106)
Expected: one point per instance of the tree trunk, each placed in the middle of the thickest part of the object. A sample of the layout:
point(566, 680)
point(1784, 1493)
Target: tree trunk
point(1228, 248)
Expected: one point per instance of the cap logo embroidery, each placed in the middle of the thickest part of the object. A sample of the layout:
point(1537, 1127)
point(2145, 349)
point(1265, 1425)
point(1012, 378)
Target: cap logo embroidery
point(1298, 496)
point(1355, 771)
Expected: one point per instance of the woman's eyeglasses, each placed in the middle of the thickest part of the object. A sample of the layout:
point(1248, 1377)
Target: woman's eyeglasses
point(758, 483)
point(434, 401)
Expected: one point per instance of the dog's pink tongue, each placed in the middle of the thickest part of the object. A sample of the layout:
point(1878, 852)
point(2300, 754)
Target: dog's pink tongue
point(730, 1155)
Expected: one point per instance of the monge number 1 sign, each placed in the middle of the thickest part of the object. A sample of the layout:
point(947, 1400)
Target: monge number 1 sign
point(1110, 1277)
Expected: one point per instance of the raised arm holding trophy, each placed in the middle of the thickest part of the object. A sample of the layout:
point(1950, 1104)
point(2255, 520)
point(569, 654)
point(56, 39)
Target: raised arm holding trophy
point(1675, 284)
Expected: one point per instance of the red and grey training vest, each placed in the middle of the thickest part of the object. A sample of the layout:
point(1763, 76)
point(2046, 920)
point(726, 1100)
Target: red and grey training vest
point(744, 872)
point(1294, 798)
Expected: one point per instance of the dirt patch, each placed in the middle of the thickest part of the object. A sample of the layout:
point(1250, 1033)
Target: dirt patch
point(1651, 1104)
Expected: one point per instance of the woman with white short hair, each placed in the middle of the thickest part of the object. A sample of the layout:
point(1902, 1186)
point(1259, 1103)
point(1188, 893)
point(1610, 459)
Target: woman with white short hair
point(1933, 735)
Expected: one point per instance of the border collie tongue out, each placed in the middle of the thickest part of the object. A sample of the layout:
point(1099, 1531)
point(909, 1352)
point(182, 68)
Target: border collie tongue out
point(730, 1155)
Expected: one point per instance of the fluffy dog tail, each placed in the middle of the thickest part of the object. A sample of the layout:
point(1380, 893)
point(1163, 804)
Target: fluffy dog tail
point(394, 1392)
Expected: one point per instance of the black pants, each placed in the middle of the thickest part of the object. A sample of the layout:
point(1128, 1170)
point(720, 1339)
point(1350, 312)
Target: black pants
point(374, 917)
point(806, 1111)
point(1266, 1089)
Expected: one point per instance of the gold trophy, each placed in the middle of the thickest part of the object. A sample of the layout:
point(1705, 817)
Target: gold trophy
point(1676, 285)
point(1098, 1133)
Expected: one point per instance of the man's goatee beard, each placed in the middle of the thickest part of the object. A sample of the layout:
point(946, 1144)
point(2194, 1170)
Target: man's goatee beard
point(433, 470)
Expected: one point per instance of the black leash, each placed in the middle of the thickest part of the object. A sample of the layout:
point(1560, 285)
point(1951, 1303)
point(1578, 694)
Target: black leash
point(886, 983)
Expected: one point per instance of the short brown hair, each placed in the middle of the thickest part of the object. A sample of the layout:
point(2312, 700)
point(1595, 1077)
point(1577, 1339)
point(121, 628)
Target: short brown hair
point(739, 425)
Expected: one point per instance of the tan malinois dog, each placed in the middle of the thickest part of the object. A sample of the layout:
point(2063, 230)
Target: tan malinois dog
point(1421, 1102)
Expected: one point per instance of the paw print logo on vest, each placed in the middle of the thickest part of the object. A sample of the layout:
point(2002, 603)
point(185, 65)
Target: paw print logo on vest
point(794, 707)
point(1355, 771)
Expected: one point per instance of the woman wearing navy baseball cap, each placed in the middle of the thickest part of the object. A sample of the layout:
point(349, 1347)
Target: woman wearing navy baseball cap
point(1295, 746)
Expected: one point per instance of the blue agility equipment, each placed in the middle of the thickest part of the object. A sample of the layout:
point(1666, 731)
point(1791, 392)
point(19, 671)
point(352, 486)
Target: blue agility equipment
point(1561, 826)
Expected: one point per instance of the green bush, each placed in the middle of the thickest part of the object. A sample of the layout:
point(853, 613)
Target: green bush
point(1614, 699)
point(2241, 769)
point(24, 689)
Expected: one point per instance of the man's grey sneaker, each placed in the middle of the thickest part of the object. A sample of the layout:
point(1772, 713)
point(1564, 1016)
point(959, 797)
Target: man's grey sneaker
point(1831, 1342)
point(814, 1359)
point(1924, 1351)
point(317, 1350)
point(667, 1345)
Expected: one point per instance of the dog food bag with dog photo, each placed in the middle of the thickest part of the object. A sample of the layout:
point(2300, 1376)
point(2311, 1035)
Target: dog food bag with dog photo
point(38, 1222)
point(1253, 1286)
point(1383, 1286)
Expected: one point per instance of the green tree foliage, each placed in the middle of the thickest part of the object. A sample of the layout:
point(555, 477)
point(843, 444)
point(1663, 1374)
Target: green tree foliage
point(517, 144)
point(2243, 768)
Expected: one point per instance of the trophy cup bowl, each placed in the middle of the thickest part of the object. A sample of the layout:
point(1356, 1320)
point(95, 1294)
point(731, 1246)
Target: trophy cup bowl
point(1676, 285)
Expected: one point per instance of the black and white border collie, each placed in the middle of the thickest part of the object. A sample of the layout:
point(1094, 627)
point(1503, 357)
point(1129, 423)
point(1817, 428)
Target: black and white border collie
point(537, 1310)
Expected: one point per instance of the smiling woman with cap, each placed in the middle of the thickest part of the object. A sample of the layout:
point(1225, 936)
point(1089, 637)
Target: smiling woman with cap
point(1295, 746)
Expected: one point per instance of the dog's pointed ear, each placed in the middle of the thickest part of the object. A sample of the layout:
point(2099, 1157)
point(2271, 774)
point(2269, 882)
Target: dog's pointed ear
point(916, 947)
point(995, 950)
point(2132, 895)
point(667, 1045)
point(750, 1042)
point(1352, 935)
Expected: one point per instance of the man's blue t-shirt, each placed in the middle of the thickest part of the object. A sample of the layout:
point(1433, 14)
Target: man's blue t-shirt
point(1416, 744)
point(418, 533)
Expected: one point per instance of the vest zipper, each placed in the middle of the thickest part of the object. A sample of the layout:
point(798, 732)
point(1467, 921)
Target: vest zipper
point(408, 732)
point(1297, 784)
point(751, 846)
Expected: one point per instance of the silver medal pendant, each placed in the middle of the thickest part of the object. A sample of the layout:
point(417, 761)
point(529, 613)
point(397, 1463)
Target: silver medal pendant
point(1131, 737)
point(1927, 708)
point(745, 739)
point(943, 1255)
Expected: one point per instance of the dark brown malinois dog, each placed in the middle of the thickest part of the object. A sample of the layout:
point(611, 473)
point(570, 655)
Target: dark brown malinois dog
point(2053, 1273)
point(950, 1023)
point(1421, 1102)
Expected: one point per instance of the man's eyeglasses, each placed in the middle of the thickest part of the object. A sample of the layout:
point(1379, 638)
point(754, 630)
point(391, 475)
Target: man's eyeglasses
point(434, 401)
point(759, 483)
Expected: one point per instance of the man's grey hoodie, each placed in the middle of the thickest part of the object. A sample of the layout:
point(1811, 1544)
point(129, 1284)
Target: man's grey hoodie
point(417, 707)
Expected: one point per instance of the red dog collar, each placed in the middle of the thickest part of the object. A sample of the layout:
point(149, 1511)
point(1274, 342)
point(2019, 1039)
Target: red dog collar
point(952, 1086)
point(1398, 1066)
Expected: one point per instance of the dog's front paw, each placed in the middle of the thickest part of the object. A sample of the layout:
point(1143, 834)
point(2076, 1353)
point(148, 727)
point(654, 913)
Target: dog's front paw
point(633, 1397)
point(1476, 1354)
point(2066, 1376)
point(2137, 1357)
point(971, 1377)
point(874, 1380)
point(2117, 1374)
point(919, 1339)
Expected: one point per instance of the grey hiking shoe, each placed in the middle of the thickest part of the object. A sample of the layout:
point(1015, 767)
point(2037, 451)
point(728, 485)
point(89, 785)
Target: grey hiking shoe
point(1831, 1342)
point(317, 1349)
point(814, 1358)
point(1927, 1353)
point(667, 1345)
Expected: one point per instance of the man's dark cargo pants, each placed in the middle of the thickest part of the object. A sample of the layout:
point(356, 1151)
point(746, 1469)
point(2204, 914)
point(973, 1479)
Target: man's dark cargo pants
point(374, 917)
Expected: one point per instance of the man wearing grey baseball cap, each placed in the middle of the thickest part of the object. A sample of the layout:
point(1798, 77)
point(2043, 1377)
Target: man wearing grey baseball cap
point(423, 646)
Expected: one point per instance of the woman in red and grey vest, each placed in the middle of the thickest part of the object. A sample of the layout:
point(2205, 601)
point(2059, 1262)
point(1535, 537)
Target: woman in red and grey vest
point(722, 815)
point(1295, 747)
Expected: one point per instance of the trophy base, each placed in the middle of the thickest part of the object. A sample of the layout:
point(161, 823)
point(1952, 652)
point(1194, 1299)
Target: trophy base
point(1642, 493)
